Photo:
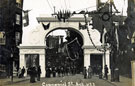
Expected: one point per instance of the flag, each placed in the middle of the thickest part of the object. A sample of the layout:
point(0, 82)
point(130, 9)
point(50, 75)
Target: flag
point(74, 49)
point(46, 26)
point(26, 18)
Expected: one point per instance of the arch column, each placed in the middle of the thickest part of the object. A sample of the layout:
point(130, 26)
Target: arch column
point(86, 58)
point(42, 64)
point(22, 62)
point(40, 50)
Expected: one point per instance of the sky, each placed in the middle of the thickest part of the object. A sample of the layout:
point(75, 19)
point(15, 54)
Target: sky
point(39, 7)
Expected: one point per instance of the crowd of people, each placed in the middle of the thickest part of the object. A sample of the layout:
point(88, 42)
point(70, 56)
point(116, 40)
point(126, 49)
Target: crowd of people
point(33, 72)
point(88, 73)
point(60, 71)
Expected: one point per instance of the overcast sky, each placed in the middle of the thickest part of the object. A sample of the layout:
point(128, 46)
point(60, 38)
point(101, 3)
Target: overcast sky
point(38, 7)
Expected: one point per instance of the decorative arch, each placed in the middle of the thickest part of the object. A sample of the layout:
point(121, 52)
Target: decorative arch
point(70, 28)
point(36, 43)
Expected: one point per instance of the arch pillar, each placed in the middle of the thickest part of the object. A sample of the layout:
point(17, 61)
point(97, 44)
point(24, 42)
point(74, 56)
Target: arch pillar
point(42, 65)
point(32, 50)
point(86, 58)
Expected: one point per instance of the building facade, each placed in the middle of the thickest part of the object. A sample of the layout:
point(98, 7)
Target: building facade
point(10, 33)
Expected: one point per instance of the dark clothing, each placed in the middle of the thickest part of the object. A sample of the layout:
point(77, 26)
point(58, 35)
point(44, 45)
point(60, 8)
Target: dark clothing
point(32, 73)
point(62, 71)
point(48, 72)
point(38, 73)
point(85, 73)
point(54, 72)
point(22, 72)
point(59, 71)
point(106, 72)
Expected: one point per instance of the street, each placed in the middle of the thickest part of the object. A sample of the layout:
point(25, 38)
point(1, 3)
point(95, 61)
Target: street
point(74, 80)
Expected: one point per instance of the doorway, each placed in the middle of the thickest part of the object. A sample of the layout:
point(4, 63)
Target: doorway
point(32, 60)
point(96, 61)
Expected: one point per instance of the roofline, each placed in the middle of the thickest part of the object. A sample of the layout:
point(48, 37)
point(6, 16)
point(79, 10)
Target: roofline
point(52, 19)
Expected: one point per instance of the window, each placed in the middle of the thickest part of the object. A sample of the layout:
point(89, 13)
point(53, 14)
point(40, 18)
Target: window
point(18, 19)
point(2, 38)
point(17, 37)
point(19, 3)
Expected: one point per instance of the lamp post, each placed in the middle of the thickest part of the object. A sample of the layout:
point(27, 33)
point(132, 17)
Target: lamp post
point(11, 67)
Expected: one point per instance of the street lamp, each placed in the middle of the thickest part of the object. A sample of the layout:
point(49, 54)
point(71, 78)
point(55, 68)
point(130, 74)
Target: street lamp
point(11, 67)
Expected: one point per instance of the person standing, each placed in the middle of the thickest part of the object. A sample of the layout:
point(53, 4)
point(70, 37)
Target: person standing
point(89, 72)
point(38, 73)
point(22, 72)
point(54, 71)
point(106, 72)
point(85, 73)
point(30, 72)
point(49, 72)
point(59, 71)
point(62, 71)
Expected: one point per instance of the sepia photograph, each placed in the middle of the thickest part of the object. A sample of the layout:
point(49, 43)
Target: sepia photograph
point(67, 42)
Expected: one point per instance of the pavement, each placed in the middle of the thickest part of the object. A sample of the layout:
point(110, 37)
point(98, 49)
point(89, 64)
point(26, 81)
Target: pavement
point(124, 81)
point(75, 79)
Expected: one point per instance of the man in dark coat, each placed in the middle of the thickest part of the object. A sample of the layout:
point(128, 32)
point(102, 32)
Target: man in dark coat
point(59, 71)
point(62, 71)
point(38, 73)
point(48, 72)
point(32, 73)
point(23, 71)
point(106, 72)
point(54, 71)
point(85, 73)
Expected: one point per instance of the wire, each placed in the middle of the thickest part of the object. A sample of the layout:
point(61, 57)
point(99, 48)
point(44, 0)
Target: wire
point(69, 4)
point(61, 4)
point(50, 5)
point(85, 8)
point(65, 4)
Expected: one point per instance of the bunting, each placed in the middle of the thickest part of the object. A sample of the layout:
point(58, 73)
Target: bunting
point(74, 49)
point(46, 26)
point(26, 18)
